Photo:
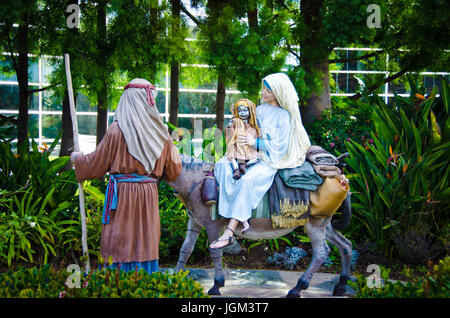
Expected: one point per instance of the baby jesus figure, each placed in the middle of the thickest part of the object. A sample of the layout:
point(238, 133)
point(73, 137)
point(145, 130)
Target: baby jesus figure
point(241, 157)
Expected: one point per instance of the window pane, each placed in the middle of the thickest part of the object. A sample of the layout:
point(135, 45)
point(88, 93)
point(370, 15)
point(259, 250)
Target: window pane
point(51, 125)
point(33, 70)
point(87, 143)
point(33, 126)
point(374, 63)
point(197, 103)
point(83, 104)
point(50, 101)
point(110, 119)
point(7, 73)
point(33, 99)
point(204, 103)
point(398, 86)
point(429, 82)
point(161, 101)
point(10, 98)
point(87, 124)
point(47, 69)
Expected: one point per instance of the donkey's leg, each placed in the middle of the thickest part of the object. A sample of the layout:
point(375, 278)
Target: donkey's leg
point(212, 230)
point(316, 228)
point(193, 230)
point(345, 249)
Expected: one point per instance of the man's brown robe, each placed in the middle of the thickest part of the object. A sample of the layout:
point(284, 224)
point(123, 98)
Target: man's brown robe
point(133, 232)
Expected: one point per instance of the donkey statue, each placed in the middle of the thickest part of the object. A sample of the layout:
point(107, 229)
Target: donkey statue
point(319, 230)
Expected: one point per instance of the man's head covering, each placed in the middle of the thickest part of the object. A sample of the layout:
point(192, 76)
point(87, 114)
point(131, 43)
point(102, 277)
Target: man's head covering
point(140, 122)
point(284, 92)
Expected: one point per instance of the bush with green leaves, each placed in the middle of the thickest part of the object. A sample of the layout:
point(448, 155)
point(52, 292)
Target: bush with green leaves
point(36, 169)
point(344, 121)
point(48, 282)
point(401, 181)
point(39, 215)
point(434, 282)
point(28, 227)
point(70, 230)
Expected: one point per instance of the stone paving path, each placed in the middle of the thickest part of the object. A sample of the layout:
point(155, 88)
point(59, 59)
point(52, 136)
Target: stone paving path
point(266, 283)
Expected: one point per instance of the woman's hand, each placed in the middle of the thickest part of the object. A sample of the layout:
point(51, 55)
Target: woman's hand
point(73, 155)
point(245, 139)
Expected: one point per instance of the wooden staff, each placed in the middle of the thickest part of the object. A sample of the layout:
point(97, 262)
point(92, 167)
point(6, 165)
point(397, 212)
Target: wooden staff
point(77, 148)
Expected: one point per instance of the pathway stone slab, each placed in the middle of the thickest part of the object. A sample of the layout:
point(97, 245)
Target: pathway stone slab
point(266, 283)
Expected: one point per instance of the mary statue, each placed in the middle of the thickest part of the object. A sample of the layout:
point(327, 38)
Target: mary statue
point(282, 143)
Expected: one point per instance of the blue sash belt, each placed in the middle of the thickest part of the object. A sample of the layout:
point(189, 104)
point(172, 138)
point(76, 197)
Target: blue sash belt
point(111, 191)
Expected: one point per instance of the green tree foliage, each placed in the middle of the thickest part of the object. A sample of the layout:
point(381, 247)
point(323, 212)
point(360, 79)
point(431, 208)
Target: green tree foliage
point(23, 23)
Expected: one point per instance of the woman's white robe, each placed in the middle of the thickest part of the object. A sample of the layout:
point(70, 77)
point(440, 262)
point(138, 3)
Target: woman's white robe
point(237, 198)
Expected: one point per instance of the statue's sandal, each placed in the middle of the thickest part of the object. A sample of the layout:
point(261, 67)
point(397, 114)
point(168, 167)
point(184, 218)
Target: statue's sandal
point(228, 240)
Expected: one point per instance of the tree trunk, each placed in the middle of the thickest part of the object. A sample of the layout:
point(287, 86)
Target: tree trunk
point(220, 102)
point(22, 78)
point(252, 15)
point(67, 142)
point(67, 130)
point(314, 57)
point(317, 103)
point(174, 93)
point(174, 67)
point(102, 93)
point(102, 113)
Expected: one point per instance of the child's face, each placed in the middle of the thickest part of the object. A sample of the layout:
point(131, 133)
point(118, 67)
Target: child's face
point(243, 112)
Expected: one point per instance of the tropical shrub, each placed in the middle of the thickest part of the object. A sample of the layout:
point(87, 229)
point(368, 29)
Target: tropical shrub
point(48, 282)
point(401, 181)
point(344, 121)
point(36, 169)
point(39, 215)
point(70, 230)
point(26, 227)
point(432, 283)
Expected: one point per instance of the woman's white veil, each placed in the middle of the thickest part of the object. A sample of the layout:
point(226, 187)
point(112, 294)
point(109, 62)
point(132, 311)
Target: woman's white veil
point(299, 142)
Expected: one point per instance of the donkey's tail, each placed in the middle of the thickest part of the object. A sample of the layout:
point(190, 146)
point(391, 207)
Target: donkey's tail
point(346, 209)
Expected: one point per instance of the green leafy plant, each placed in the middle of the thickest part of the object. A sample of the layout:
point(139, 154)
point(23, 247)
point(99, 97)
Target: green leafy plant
point(37, 169)
point(432, 283)
point(70, 227)
point(48, 282)
point(344, 121)
point(34, 190)
point(28, 226)
point(401, 180)
point(174, 219)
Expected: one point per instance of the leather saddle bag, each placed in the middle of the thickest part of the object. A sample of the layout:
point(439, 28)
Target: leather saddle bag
point(209, 189)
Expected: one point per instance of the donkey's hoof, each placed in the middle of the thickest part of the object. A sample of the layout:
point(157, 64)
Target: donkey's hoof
point(214, 291)
point(339, 291)
point(293, 293)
